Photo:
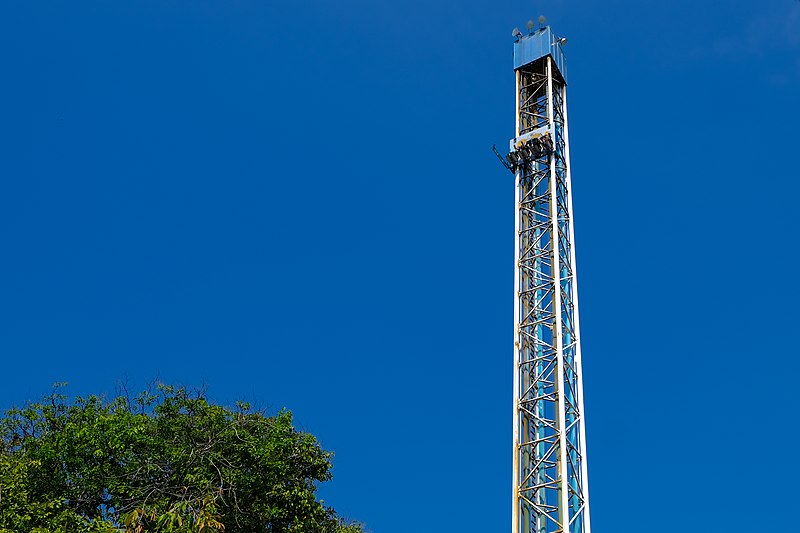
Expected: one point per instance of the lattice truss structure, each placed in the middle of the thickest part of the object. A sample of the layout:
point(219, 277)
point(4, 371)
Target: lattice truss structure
point(550, 478)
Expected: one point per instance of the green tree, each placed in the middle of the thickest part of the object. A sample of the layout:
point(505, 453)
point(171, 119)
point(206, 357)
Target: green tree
point(165, 460)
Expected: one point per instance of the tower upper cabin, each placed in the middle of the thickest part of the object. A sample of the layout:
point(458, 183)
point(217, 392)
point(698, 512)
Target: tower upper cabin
point(538, 45)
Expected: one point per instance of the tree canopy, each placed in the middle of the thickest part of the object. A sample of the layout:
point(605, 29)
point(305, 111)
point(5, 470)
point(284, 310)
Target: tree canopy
point(165, 460)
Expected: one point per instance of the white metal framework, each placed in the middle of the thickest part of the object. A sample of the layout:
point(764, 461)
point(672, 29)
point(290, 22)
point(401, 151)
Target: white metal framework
point(551, 493)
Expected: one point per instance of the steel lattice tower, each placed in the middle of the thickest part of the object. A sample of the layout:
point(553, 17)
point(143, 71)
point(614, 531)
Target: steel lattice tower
point(550, 479)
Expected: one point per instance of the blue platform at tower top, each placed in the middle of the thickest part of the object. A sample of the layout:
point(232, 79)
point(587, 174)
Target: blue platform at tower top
point(539, 44)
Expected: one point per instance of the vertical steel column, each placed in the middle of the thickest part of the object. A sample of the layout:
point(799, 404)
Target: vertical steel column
point(517, 200)
point(576, 324)
point(560, 389)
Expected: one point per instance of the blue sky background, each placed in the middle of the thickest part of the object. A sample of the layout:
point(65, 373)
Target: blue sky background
point(296, 203)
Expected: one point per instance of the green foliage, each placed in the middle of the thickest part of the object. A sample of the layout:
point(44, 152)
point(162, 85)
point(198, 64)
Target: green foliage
point(164, 461)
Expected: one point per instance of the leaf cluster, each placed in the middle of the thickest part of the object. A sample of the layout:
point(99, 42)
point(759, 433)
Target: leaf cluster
point(166, 460)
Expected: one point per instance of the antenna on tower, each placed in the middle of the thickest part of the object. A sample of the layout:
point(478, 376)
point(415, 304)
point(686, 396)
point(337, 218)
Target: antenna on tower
point(530, 25)
point(542, 20)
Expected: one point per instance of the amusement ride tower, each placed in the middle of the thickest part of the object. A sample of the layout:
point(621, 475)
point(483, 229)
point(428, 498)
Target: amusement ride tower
point(551, 493)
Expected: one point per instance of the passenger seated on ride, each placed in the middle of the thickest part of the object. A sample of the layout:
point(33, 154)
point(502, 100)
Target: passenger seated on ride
point(528, 150)
point(515, 160)
point(538, 149)
point(547, 142)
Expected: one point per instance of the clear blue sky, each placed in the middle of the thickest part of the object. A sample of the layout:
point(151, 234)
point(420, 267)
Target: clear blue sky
point(295, 202)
